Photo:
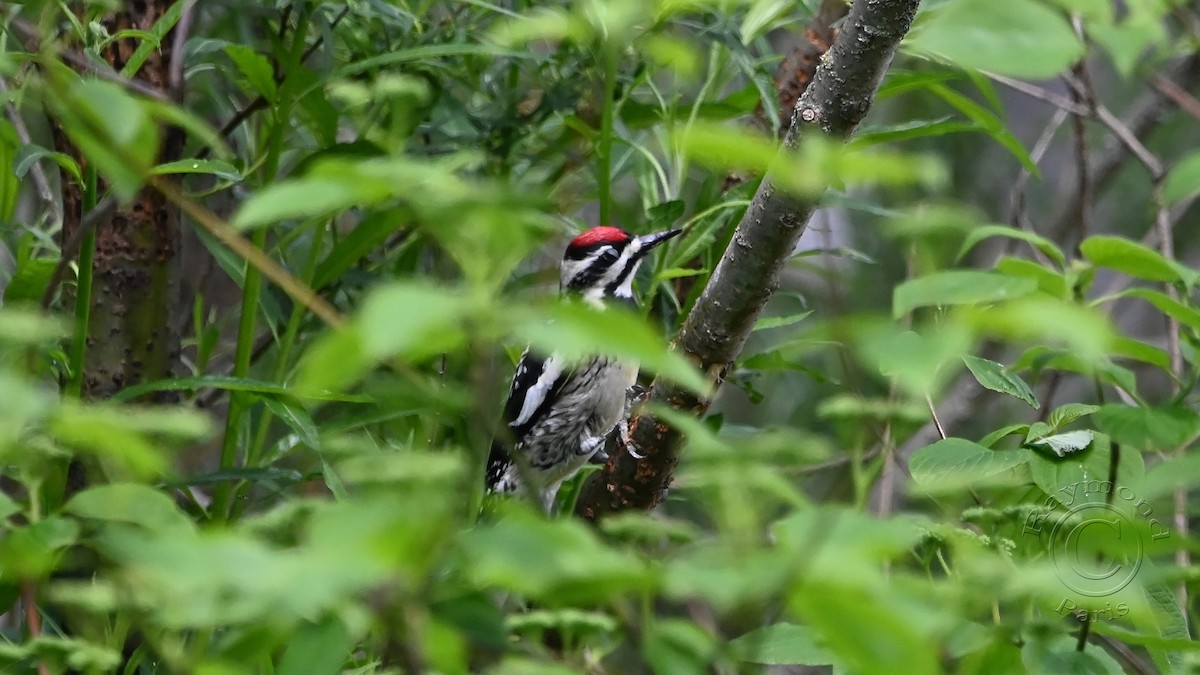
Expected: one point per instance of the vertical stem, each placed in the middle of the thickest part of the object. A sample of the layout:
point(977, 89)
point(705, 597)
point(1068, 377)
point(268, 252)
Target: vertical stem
point(1162, 222)
point(604, 147)
point(83, 290)
point(239, 402)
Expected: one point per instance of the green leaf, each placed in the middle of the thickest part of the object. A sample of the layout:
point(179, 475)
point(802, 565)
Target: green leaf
point(364, 239)
point(916, 360)
point(1144, 428)
point(1021, 38)
point(305, 197)
point(781, 644)
point(957, 287)
point(30, 282)
point(1066, 443)
point(130, 503)
point(113, 130)
point(560, 561)
point(1070, 412)
point(1078, 477)
point(227, 383)
point(982, 232)
point(255, 68)
point(215, 167)
point(1166, 304)
point(29, 154)
point(7, 507)
point(577, 331)
point(768, 322)
point(1134, 259)
point(996, 377)
point(991, 439)
point(1048, 281)
point(989, 123)
point(1140, 351)
point(316, 649)
point(957, 460)
point(1183, 180)
point(32, 551)
point(297, 419)
point(678, 646)
point(907, 131)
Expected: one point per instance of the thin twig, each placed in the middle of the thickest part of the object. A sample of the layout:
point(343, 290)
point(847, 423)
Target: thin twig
point(1180, 96)
point(175, 84)
point(1162, 224)
point(33, 619)
point(1084, 95)
point(70, 247)
point(1040, 93)
point(933, 414)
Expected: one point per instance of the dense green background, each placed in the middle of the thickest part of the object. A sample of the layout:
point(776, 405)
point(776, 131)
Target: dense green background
point(277, 468)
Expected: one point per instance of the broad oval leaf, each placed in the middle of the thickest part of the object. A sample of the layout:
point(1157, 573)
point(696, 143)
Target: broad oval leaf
point(1132, 258)
point(1021, 38)
point(958, 460)
point(130, 503)
point(996, 377)
point(1144, 428)
point(957, 287)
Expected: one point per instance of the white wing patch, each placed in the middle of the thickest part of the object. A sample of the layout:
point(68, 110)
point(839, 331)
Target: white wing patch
point(536, 394)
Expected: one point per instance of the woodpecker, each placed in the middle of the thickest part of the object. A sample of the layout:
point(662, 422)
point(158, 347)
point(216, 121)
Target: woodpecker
point(558, 413)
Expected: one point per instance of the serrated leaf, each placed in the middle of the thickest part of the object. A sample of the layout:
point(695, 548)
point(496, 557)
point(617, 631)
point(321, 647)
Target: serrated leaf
point(996, 377)
point(957, 287)
point(255, 68)
point(1070, 412)
point(959, 460)
point(1065, 443)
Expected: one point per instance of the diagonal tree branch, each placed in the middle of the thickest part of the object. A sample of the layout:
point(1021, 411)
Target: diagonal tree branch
point(835, 103)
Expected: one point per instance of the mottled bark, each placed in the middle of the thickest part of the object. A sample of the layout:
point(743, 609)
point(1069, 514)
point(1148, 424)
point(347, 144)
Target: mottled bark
point(834, 103)
point(133, 333)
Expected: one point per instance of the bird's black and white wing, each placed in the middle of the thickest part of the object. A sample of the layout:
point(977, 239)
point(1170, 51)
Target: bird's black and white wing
point(536, 384)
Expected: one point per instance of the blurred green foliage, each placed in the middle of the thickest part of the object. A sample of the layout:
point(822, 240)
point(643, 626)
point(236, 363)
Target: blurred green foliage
point(406, 169)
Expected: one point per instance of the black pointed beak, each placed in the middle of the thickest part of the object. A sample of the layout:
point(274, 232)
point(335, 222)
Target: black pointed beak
point(649, 241)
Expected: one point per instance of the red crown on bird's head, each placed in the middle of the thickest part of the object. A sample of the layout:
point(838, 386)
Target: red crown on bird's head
point(604, 234)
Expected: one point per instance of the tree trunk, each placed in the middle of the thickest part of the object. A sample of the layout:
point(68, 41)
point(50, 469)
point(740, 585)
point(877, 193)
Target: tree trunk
point(835, 102)
point(134, 328)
